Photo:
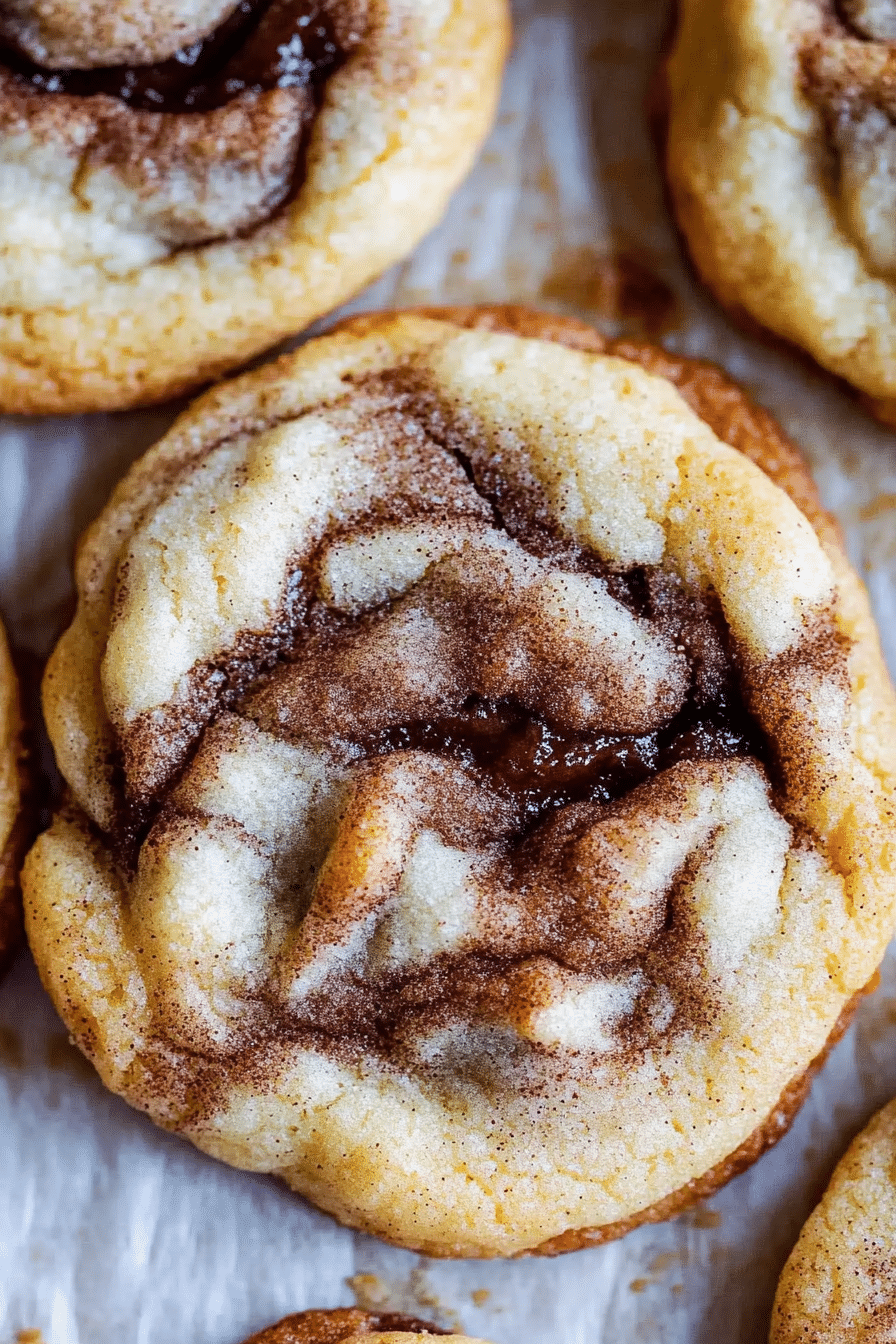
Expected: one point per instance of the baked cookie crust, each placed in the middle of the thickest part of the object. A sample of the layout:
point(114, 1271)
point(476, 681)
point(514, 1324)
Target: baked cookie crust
point(506, 1041)
point(148, 251)
point(840, 1281)
point(781, 160)
point(348, 1325)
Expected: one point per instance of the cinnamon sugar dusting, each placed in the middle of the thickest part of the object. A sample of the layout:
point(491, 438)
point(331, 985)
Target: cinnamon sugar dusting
point(344, 1323)
point(442, 801)
point(490, 727)
point(251, 89)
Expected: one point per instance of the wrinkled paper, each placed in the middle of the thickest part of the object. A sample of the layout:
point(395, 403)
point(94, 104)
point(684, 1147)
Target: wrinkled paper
point(113, 1231)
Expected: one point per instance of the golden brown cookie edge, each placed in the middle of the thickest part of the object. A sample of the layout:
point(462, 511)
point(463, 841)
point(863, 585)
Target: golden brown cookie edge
point(337, 1324)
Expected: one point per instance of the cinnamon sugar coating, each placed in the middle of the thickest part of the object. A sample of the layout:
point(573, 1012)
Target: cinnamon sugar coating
point(70, 34)
point(467, 750)
point(782, 164)
point(348, 1325)
point(840, 1281)
point(163, 222)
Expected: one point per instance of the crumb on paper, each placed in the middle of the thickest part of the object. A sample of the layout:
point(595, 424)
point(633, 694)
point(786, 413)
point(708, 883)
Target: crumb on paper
point(880, 505)
point(678, 1289)
point(425, 1297)
point(414, 1296)
point(638, 1285)
point(480, 1296)
point(422, 1289)
point(30, 1337)
point(666, 1259)
point(370, 1291)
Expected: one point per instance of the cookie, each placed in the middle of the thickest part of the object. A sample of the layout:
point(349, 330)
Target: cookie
point(185, 182)
point(481, 783)
point(840, 1281)
point(15, 812)
point(346, 1325)
point(782, 166)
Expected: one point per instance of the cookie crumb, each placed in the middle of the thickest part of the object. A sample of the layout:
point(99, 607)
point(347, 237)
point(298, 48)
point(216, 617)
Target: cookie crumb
point(369, 1290)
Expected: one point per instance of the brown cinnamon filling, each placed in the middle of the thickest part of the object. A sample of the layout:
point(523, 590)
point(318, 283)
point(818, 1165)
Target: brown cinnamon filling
point(309, 677)
point(262, 45)
point(535, 761)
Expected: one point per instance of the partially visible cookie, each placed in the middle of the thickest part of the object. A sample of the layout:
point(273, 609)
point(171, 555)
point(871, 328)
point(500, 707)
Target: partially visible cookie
point(183, 183)
point(14, 831)
point(346, 1325)
point(782, 167)
point(839, 1284)
point(75, 34)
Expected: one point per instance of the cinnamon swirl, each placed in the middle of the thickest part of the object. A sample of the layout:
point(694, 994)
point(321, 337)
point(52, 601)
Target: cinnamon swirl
point(481, 775)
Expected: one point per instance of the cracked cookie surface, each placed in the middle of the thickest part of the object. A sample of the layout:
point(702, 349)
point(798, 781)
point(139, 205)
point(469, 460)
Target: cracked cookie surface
point(468, 749)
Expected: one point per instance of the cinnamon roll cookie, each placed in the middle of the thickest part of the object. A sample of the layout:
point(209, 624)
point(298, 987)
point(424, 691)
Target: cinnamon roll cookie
point(185, 182)
point(15, 834)
point(348, 1325)
point(839, 1284)
point(782, 164)
point(481, 784)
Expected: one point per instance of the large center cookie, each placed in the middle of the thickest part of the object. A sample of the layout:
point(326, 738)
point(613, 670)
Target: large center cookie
point(184, 183)
point(481, 787)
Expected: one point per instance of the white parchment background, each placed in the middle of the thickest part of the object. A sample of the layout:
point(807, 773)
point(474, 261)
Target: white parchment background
point(111, 1230)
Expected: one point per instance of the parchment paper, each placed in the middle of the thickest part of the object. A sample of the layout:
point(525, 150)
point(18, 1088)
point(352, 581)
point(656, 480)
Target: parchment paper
point(111, 1230)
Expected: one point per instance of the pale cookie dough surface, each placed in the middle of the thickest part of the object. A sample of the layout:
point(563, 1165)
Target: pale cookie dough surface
point(839, 1285)
point(349, 1325)
point(782, 162)
point(153, 239)
point(468, 752)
